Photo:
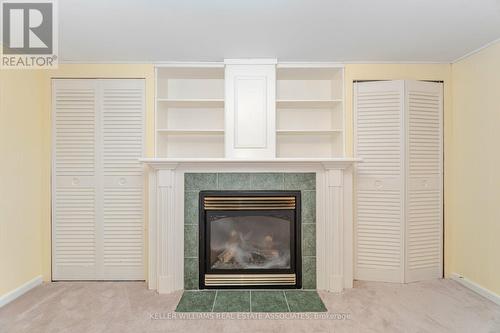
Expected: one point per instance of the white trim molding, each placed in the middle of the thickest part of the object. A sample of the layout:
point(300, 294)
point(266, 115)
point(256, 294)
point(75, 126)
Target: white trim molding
point(251, 61)
point(495, 298)
point(221, 64)
point(479, 49)
point(334, 230)
point(19, 291)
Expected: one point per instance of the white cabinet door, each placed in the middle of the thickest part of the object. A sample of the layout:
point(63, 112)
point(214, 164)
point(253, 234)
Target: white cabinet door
point(398, 228)
point(97, 179)
point(379, 183)
point(250, 111)
point(424, 206)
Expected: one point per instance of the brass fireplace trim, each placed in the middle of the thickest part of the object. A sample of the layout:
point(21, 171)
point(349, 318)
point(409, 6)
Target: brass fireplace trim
point(245, 203)
point(249, 279)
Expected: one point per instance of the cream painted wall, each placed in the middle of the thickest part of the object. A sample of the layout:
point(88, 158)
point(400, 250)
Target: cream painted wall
point(145, 71)
point(475, 204)
point(434, 72)
point(21, 178)
point(25, 188)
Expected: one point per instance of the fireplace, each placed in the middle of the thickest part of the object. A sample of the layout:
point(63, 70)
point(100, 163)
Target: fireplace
point(249, 239)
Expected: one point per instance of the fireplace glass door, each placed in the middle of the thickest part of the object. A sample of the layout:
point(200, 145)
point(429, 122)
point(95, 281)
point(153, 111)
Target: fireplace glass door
point(243, 240)
point(250, 238)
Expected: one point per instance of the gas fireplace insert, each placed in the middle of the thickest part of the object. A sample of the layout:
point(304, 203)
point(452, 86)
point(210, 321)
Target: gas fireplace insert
point(249, 239)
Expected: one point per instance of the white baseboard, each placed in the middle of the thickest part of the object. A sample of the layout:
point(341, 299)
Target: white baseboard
point(476, 288)
point(12, 295)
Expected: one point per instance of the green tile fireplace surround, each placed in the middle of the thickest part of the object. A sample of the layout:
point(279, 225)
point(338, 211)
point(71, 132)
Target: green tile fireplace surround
point(195, 182)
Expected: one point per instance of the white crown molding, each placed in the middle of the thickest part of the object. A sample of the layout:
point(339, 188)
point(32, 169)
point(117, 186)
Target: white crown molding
point(309, 64)
point(476, 288)
point(485, 46)
point(251, 61)
point(22, 289)
point(280, 64)
point(191, 64)
point(398, 62)
point(101, 62)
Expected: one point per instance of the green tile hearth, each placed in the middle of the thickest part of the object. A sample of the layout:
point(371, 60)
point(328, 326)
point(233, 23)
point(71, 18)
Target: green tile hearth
point(232, 301)
point(251, 301)
point(196, 301)
point(304, 301)
point(268, 301)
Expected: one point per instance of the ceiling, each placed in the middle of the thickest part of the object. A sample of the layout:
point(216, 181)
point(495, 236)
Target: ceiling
point(290, 30)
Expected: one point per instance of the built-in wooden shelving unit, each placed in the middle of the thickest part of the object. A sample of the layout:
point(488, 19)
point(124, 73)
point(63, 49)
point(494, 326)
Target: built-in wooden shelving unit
point(190, 111)
point(310, 111)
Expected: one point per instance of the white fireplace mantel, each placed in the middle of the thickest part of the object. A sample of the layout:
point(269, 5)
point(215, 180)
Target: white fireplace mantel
point(334, 221)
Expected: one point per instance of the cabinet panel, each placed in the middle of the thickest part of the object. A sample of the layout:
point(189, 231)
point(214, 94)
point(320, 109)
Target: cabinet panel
point(250, 111)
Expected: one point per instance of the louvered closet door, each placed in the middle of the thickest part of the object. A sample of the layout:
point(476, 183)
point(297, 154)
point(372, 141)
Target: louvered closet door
point(379, 184)
point(424, 216)
point(97, 179)
point(74, 229)
point(122, 111)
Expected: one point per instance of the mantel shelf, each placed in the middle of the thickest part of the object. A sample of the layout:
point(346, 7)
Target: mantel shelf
point(338, 161)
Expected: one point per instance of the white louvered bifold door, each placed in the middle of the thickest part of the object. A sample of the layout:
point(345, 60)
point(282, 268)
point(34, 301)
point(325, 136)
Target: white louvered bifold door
point(74, 180)
point(424, 215)
point(379, 183)
point(97, 179)
point(398, 214)
point(122, 128)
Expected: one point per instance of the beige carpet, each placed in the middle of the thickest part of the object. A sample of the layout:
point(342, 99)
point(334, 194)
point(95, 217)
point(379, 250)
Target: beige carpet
point(434, 306)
